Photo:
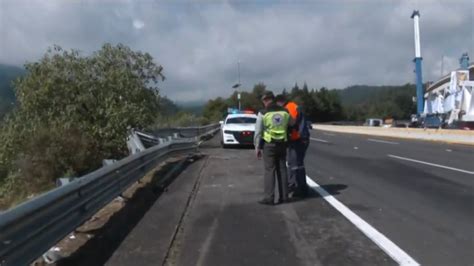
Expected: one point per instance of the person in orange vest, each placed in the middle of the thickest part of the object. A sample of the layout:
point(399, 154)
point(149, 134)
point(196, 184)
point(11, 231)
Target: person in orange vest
point(298, 142)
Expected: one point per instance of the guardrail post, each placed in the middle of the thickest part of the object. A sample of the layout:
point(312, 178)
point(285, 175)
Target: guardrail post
point(53, 215)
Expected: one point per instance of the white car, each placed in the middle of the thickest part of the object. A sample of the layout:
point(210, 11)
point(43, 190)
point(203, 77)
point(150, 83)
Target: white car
point(238, 129)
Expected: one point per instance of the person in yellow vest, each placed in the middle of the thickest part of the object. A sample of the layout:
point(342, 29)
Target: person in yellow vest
point(297, 145)
point(270, 139)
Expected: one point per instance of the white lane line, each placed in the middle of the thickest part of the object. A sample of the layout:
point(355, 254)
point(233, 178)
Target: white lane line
point(396, 253)
point(431, 164)
point(320, 140)
point(383, 141)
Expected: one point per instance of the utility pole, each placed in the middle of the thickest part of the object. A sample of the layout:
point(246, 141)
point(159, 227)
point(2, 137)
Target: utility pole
point(238, 92)
point(419, 78)
point(236, 86)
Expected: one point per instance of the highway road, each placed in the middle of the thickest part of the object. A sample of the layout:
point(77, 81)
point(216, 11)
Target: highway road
point(420, 195)
point(377, 201)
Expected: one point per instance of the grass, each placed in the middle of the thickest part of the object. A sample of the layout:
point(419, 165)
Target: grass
point(15, 190)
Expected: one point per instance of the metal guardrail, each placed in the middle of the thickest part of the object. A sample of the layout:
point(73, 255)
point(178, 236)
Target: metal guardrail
point(148, 140)
point(30, 229)
point(138, 141)
point(185, 132)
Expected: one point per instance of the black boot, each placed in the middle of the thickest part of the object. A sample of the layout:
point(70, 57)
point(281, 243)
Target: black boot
point(266, 202)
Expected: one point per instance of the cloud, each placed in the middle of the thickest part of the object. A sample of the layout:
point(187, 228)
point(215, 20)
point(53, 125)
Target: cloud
point(325, 43)
point(138, 24)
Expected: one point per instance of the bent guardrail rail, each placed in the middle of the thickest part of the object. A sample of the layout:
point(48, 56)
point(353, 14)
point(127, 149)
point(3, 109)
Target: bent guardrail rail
point(184, 131)
point(30, 229)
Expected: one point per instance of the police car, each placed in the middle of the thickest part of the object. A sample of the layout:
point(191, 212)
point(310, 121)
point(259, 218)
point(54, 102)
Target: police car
point(238, 129)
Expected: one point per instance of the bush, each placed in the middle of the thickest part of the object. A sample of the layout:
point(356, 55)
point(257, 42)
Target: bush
point(14, 189)
point(180, 119)
point(73, 111)
point(56, 152)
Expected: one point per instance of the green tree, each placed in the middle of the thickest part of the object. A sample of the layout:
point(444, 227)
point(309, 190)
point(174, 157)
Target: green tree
point(295, 91)
point(305, 88)
point(94, 98)
point(167, 107)
point(215, 110)
point(251, 100)
point(361, 102)
point(259, 89)
point(318, 105)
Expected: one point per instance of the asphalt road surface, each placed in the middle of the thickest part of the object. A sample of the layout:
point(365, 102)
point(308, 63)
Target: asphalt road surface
point(378, 202)
point(418, 194)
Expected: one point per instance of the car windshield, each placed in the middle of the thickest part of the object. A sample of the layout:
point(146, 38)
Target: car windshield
point(241, 120)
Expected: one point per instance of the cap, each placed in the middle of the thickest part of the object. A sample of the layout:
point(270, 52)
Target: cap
point(268, 95)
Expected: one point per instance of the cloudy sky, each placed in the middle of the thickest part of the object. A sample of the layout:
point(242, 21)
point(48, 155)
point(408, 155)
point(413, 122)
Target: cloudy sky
point(332, 43)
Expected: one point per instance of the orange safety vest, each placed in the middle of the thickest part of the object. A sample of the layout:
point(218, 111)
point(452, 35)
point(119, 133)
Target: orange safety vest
point(292, 108)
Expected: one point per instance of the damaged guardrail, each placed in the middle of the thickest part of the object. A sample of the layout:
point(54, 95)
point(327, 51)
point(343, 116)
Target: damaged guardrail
point(185, 132)
point(30, 229)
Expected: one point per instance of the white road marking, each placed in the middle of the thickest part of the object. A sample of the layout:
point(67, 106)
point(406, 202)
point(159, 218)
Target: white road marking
point(395, 252)
point(383, 141)
point(320, 140)
point(431, 164)
point(449, 150)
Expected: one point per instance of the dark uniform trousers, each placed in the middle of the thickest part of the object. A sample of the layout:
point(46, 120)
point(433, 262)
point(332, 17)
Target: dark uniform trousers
point(274, 161)
point(296, 170)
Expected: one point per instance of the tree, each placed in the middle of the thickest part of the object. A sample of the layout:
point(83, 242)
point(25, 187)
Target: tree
point(294, 91)
point(318, 106)
point(215, 110)
point(167, 107)
point(96, 97)
point(305, 88)
point(361, 102)
point(259, 89)
point(252, 100)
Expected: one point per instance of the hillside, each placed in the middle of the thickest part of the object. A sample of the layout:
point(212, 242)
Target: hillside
point(193, 107)
point(361, 102)
point(7, 95)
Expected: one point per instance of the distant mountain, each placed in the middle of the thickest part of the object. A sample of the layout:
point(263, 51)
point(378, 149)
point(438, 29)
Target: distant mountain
point(190, 103)
point(361, 101)
point(7, 94)
point(358, 94)
point(194, 107)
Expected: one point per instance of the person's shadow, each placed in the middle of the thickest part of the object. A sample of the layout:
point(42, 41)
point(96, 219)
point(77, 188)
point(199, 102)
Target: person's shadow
point(331, 189)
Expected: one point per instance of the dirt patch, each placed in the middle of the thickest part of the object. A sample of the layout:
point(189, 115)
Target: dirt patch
point(95, 241)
